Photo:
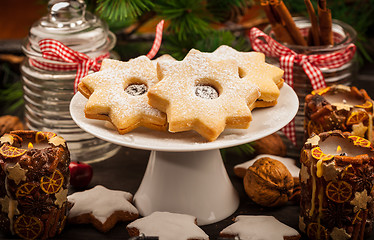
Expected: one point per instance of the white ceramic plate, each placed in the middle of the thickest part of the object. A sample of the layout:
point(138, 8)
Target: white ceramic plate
point(265, 122)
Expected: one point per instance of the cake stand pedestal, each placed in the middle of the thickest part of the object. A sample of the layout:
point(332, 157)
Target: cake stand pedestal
point(185, 173)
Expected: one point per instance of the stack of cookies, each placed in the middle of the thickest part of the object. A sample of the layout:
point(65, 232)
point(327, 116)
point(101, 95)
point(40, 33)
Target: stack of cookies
point(205, 92)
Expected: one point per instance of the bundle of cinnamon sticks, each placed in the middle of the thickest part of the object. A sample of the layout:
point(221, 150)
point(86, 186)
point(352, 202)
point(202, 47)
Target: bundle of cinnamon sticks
point(286, 31)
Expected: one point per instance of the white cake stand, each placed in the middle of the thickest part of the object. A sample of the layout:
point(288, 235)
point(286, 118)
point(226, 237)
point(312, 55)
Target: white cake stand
point(185, 173)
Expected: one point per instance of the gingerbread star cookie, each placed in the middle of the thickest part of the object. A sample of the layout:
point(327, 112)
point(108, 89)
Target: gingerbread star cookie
point(118, 93)
point(101, 207)
point(259, 228)
point(167, 226)
point(252, 66)
point(203, 95)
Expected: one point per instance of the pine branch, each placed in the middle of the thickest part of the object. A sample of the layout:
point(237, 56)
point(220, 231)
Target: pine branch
point(121, 10)
point(186, 17)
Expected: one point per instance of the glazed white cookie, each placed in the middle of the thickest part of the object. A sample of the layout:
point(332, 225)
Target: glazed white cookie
point(101, 207)
point(167, 226)
point(259, 228)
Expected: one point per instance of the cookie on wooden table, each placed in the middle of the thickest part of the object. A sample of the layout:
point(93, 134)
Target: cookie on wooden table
point(101, 207)
point(167, 226)
point(259, 228)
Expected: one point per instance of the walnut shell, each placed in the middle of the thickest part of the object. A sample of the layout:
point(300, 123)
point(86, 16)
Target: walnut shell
point(268, 182)
point(271, 144)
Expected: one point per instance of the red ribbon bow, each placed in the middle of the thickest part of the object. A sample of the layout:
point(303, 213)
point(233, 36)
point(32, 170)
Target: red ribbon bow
point(310, 63)
point(73, 60)
point(56, 51)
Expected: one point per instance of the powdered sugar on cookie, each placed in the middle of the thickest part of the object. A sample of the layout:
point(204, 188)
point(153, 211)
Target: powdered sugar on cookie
point(176, 95)
point(118, 94)
point(252, 66)
point(168, 226)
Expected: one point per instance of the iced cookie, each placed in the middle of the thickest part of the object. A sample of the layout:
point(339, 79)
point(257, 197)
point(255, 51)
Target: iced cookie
point(118, 93)
point(240, 169)
point(259, 228)
point(203, 95)
point(252, 66)
point(101, 207)
point(167, 226)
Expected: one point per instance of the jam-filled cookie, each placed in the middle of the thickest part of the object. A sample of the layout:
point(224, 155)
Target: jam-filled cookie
point(118, 93)
point(200, 94)
point(252, 66)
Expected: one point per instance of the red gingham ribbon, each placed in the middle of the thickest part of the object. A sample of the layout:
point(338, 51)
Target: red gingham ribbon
point(157, 42)
point(73, 60)
point(70, 60)
point(310, 63)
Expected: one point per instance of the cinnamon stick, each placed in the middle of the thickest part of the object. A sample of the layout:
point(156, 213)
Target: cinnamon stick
point(325, 23)
point(279, 30)
point(286, 17)
point(313, 37)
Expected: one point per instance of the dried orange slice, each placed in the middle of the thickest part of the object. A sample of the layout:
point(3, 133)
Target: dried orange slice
point(52, 184)
point(40, 136)
point(321, 91)
point(339, 191)
point(348, 171)
point(314, 127)
point(28, 227)
point(318, 154)
point(25, 189)
point(362, 142)
point(9, 151)
point(357, 117)
point(317, 231)
point(366, 105)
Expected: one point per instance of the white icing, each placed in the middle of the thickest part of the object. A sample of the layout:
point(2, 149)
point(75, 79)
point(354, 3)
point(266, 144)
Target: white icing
point(288, 162)
point(101, 202)
point(259, 228)
point(169, 226)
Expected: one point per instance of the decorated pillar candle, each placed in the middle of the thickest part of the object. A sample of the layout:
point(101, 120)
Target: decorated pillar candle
point(339, 107)
point(336, 179)
point(34, 178)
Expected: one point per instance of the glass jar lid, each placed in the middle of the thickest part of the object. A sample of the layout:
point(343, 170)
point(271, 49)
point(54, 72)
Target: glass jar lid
point(70, 23)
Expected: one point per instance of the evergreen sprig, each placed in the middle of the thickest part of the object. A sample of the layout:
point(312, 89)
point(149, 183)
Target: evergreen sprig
point(122, 10)
point(187, 18)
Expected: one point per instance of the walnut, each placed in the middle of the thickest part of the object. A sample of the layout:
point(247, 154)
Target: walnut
point(268, 182)
point(271, 144)
point(9, 123)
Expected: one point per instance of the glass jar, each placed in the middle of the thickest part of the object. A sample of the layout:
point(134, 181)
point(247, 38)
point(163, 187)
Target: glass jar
point(48, 93)
point(343, 35)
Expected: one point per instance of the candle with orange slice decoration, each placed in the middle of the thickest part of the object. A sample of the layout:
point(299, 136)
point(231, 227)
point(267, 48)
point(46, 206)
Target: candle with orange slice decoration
point(336, 179)
point(34, 179)
point(339, 107)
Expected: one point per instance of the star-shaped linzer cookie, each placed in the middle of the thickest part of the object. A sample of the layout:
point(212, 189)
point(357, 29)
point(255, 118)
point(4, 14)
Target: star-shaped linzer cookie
point(252, 66)
point(118, 93)
point(203, 95)
point(101, 207)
